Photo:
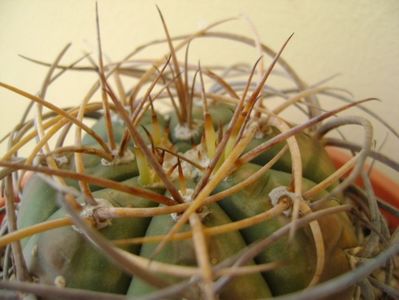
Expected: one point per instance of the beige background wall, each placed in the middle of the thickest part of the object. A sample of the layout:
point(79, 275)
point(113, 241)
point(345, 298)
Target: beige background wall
point(358, 39)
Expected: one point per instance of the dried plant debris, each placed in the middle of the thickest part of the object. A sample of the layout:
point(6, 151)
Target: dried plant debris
point(190, 186)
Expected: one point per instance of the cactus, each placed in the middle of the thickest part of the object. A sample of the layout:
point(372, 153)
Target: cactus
point(216, 196)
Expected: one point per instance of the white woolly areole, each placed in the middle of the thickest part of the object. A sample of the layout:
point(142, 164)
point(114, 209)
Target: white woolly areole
point(89, 211)
point(61, 160)
point(188, 197)
point(196, 154)
point(59, 281)
point(255, 124)
point(116, 119)
point(259, 134)
point(40, 160)
point(277, 193)
point(183, 132)
point(127, 157)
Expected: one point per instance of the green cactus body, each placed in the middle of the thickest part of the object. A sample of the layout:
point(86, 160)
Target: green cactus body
point(64, 253)
point(62, 256)
point(298, 254)
point(312, 155)
point(220, 247)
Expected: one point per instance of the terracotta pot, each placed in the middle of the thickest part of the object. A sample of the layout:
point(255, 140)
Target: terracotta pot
point(384, 187)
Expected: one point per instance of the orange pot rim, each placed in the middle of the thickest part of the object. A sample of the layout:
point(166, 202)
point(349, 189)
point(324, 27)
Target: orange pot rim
point(384, 186)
